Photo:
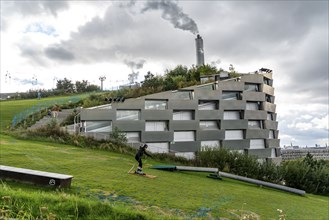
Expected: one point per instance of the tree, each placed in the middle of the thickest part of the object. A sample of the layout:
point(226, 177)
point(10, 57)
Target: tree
point(65, 85)
point(151, 81)
point(132, 77)
point(81, 86)
point(207, 70)
point(178, 71)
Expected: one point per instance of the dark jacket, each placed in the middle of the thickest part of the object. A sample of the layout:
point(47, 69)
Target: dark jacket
point(141, 152)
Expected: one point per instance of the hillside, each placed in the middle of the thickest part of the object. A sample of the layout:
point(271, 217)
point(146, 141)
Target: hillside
point(11, 108)
point(102, 176)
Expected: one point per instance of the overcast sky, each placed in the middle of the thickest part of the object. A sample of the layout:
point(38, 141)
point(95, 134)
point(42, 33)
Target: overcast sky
point(42, 41)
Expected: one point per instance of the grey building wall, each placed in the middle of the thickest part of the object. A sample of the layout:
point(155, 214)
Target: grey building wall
point(254, 141)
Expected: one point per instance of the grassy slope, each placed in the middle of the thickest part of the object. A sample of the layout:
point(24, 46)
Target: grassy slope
point(103, 175)
point(8, 109)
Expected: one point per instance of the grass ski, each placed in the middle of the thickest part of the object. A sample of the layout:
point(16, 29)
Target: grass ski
point(144, 175)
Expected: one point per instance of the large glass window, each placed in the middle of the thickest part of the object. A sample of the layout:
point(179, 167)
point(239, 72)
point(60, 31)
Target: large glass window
point(231, 95)
point(273, 153)
point(184, 95)
point(209, 125)
point(206, 87)
point(232, 115)
point(269, 98)
point(156, 104)
point(183, 115)
point(210, 144)
point(251, 87)
point(133, 137)
point(162, 147)
point(207, 105)
point(268, 81)
point(98, 126)
point(233, 134)
point(270, 116)
point(255, 124)
point(156, 126)
point(272, 136)
point(128, 115)
point(187, 155)
point(184, 136)
point(253, 106)
point(257, 143)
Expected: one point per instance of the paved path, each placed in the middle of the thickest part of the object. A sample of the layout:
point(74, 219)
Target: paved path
point(62, 115)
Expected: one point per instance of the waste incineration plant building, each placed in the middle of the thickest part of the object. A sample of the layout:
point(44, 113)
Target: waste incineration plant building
point(235, 113)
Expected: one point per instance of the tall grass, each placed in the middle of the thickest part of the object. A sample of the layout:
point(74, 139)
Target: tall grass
point(56, 205)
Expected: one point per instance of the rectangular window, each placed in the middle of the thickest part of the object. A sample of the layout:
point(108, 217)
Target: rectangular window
point(232, 115)
point(187, 155)
point(251, 87)
point(156, 126)
point(158, 147)
point(269, 98)
point(180, 136)
point(209, 125)
point(183, 115)
point(156, 104)
point(257, 143)
point(184, 95)
point(273, 153)
point(230, 95)
point(271, 136)
point(233, 134)
point(128, 115)
point(269, 116)
point(210, 144)
point(253, 106)
point(206, 87)
point(255, 124)
point(133, 137)
point(268, 82)
point(207, 105)
point(98, 126)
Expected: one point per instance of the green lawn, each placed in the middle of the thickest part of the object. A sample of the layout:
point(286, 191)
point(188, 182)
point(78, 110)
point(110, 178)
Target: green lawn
point(103, 176)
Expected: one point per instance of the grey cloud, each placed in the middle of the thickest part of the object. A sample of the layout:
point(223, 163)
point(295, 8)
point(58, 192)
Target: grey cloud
point(308, 137)
point(33, 52)
point(59, 53)
point(267, 28)
point(134, 65)
point(28, 8)
point(173, 13)
point(99, 39)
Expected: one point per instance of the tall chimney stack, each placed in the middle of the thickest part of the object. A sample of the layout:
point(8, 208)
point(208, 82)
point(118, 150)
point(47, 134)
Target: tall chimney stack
point(199, 51)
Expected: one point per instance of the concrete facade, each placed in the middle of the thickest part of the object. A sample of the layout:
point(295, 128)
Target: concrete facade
point(238, 114)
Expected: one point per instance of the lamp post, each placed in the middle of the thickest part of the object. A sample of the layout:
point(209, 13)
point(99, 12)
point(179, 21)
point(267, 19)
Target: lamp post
point(102, 79)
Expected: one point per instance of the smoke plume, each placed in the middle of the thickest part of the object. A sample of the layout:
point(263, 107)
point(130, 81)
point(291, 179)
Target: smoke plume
point(134, 65)
point(172, 13)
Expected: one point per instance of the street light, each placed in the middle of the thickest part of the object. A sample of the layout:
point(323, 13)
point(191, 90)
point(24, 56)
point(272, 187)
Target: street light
point(102, 79)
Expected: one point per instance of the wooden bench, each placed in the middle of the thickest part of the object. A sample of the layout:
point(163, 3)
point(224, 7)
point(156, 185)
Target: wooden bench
point(35, 176)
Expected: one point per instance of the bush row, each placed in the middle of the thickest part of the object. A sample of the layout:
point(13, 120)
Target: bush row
point(306, 174)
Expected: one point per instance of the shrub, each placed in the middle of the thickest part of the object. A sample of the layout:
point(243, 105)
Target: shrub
point(228, 161)
point(307, 174)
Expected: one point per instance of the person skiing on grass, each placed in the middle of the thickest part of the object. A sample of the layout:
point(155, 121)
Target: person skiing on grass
point(138, 157)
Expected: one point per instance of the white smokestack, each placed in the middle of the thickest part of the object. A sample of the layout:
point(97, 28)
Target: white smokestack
point(199, 51)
